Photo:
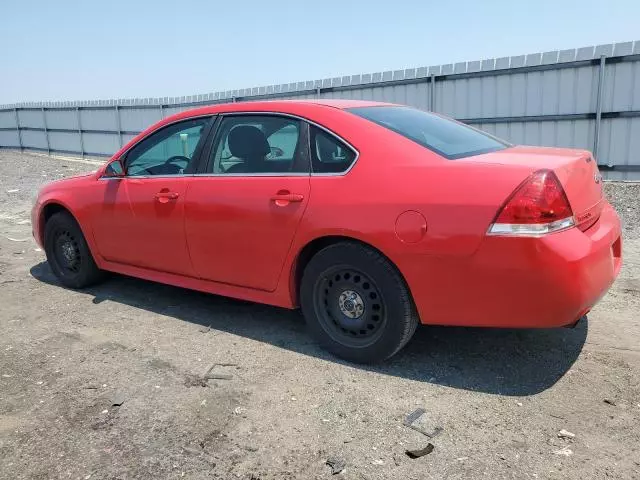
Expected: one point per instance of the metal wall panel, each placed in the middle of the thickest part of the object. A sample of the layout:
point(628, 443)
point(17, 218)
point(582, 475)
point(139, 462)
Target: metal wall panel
point(65, 141)
point(126, 139)
point(102, 119)
point(417, 94)
point(7, 119)
point(62, 119)
point(34, 139)
point(620, 141)
point(31, 118)
point(137, 119)
point(548, 98)
point(9, 138)
point(502, 130)
point(100, 143)
point(172, 111)
point(561, 133)
point(586, 89)
point(550, 92)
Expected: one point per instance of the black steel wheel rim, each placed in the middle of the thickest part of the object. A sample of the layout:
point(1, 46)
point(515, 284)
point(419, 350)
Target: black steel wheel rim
point(350, 306)
point(66, 251)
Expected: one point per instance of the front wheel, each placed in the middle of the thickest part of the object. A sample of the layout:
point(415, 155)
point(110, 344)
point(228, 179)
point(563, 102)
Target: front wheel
point(68, 253)
point(356, 303)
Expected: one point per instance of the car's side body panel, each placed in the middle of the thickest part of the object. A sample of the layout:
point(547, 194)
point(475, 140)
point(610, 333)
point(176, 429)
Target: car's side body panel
point(236, 233)
point(77, 195)
point(428, 215)
point(131, 226)
point(549, 281)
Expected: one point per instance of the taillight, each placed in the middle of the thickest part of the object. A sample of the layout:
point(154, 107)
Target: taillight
point(538, 206)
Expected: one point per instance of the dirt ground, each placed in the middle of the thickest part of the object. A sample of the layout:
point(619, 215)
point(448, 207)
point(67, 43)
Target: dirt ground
point(501, 396)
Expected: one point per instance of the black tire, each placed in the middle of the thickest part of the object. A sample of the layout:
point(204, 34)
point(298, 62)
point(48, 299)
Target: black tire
point(68, 253)
point(356, 303)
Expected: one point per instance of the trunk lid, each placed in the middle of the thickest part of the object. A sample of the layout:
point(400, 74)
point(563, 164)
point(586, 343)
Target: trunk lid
point(576, 169)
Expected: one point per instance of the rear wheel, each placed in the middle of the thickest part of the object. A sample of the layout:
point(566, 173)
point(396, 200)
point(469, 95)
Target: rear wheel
point(68, 253)
point(356, 303)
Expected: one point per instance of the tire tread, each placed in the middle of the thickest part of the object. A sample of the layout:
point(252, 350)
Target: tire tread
point(91, 274)
point(408, 318)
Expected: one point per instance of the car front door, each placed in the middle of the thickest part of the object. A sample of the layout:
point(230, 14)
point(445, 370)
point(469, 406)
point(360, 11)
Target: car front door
point(141, 219)
point(242, 212)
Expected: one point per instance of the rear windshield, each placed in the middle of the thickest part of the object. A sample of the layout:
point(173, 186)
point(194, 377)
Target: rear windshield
point(445, 137)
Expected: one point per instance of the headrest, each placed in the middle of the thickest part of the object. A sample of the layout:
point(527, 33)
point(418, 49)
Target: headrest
point(248, 142)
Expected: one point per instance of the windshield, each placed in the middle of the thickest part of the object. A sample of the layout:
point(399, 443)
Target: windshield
point(445, 137)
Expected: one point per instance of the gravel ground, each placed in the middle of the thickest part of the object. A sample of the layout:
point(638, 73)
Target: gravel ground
point(107, 383)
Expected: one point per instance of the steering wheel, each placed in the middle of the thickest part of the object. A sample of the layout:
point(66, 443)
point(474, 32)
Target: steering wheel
point(174, 160)
point(275, 152)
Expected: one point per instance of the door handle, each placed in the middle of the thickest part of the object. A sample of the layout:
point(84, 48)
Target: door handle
point(164, 197)
point(284, 198)
point(288, 197)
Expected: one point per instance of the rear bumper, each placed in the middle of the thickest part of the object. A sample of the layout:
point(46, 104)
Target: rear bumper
point(549, 281)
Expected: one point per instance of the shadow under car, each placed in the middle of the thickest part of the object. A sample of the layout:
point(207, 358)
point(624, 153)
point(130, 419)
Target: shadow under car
point(500, 361)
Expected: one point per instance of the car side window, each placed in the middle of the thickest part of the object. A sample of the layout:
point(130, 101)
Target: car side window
point(169, 151)
point(255, 144)
point(328, 154)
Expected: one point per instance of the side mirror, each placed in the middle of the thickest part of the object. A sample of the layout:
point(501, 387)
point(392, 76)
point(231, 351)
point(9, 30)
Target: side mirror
point(114, 170)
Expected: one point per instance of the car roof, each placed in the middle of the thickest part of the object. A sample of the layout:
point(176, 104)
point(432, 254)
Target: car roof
point(300, 107)
point(339, 103)
point(283, 106)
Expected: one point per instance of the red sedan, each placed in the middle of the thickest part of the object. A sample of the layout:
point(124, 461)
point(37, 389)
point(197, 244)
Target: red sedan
point(371, 217)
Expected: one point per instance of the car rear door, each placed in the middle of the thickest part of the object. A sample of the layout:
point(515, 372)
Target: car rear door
point(242, 211)
point(140, 221)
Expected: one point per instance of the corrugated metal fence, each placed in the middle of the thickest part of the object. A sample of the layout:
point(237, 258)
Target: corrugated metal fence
point(585, 98)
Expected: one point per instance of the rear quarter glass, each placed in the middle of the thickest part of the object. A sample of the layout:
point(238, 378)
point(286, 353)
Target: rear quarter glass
point(445, 137)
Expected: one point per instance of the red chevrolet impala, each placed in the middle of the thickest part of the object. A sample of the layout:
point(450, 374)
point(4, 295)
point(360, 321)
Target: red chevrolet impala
point(371, 217)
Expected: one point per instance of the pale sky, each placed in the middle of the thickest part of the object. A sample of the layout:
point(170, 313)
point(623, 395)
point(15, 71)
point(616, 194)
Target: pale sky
point(89, 50)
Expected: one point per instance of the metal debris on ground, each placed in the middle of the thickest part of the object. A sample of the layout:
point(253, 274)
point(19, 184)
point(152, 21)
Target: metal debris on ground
point(117, 400)
point(219, 376)
point(194, 381)
point(566, 434)
point(416, 419)
point(421, 452)
point(413, 416)
point(210, 375)
point(337, 465)
point(609, 401)
point(566, 451)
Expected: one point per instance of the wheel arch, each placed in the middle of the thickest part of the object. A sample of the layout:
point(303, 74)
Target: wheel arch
point(312, 247)
point(51, 208)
